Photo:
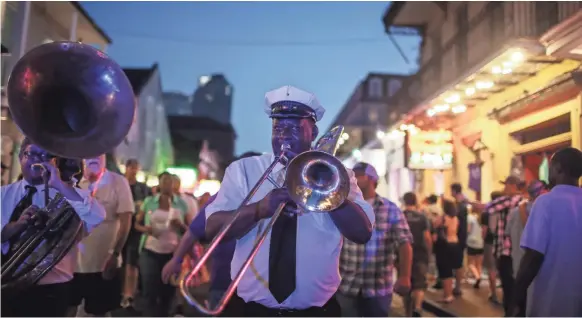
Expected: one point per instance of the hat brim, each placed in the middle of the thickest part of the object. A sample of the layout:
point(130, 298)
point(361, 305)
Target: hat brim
point(291, 116)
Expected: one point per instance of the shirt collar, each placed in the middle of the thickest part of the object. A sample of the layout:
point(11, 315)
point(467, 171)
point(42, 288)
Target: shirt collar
point(103, 180)
point(23, 183)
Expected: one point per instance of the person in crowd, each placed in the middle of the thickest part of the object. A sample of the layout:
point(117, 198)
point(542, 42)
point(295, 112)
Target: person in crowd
point(517, 219)
point(161, 221)
point(51, 296)
point(447, 247)
point(432, 208)
point(367, 269)
point(295, 270)
point(421, 250)
point(488, 258)
point(498, 212)
point(191, 203)
point(98, 278)
point(139, 191)
point(192, 211)
point(475, 245)
point(220, 259)
point(462, 204)
point(552, 240)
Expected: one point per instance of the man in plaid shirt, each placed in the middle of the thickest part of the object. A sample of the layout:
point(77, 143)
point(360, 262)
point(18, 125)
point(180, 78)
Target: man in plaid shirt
point(367, 269)
point(498, 210)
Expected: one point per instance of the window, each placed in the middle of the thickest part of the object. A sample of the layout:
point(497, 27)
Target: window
point(393, 86)
point(375, 87)
point(227, 90)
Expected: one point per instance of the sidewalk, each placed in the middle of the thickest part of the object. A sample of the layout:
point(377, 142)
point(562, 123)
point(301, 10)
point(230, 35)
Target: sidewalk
point(473, 303)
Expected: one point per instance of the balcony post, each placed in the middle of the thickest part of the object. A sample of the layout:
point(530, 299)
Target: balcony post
point(73, 30)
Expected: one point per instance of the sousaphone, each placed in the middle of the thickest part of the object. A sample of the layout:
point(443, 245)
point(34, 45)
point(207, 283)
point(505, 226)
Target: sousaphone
point(75, 102)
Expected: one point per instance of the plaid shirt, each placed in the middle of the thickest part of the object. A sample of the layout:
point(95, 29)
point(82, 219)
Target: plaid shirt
point(368, 268)
point(498, 210)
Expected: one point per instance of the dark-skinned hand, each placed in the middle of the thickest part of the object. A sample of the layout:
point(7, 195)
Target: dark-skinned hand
point(269, 204)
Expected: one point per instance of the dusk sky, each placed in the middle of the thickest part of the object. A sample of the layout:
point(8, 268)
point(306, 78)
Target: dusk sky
point(322, 47)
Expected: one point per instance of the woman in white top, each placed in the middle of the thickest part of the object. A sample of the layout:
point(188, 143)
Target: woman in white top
point(475, 246)
point(161, 220)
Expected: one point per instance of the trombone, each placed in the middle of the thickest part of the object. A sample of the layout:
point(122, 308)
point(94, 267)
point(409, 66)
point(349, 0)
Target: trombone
point(317, 182)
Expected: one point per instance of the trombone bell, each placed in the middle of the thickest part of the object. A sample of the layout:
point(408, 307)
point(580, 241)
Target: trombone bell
point(317, 181)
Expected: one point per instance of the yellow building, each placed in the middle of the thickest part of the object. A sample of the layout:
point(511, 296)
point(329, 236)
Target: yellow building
point(501, 76)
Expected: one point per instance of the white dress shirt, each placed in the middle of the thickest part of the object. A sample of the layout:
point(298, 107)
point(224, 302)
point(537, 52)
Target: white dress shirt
point(89, 210)
point(113, 192)
point(319, 241)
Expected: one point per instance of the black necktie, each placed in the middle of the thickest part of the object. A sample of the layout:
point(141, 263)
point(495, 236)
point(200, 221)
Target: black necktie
point(282, 257)
point(24, 203)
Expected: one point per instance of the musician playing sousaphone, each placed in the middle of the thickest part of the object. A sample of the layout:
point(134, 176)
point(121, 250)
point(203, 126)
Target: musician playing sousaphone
point(295, 272)
point(20, 201)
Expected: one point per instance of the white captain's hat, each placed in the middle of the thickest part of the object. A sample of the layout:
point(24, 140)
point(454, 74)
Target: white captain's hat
point(289, 101)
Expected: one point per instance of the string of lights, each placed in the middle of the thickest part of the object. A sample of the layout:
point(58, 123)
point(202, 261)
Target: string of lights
point(248, 43)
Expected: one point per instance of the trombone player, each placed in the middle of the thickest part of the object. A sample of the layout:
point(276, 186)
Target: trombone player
point(296, 271)
point(20, 200)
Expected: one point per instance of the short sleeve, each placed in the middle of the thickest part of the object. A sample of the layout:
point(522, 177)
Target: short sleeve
point(536, 234)
point(355, 195)
point(232, 190)
point(125, 202)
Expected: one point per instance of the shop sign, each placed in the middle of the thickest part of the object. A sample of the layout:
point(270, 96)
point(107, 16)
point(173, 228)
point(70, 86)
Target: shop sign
point(429, 150)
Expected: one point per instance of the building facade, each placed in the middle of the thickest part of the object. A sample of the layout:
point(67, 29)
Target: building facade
point(177, 104)
point(367, 111)
point(365, 117)
point(500, 78)
point(25, 25)
point(213, 98)
point(149, 138)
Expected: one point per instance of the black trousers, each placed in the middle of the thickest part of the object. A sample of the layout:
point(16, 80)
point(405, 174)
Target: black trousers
point(51, 300)
point(505, 273)
point(157, 295)
point(330, 309)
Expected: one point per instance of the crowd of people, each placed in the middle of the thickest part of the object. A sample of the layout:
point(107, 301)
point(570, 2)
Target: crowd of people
point(137, 242)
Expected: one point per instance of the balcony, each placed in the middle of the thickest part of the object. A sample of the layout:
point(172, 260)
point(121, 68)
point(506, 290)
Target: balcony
point(488, 35)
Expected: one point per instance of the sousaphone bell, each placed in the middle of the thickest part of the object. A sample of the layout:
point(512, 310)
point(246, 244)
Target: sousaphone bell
point(75, 102)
